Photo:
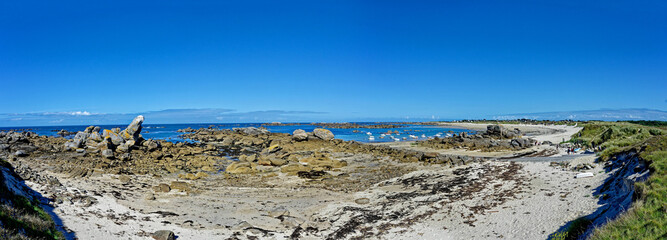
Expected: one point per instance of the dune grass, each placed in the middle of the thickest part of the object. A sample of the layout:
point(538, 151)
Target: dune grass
point(21, 218)
point(647, 218)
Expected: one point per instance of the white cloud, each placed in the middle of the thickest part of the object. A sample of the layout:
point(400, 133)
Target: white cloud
point(73, 113)
point(80, 113)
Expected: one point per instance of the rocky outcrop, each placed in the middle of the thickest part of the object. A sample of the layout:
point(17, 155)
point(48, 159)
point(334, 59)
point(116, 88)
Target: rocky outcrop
point(303, 153)
point(496, 138)
point(376, 125)
point(133, 131)
point(500, 132)
point(251, 131)
point(111, 140)
point(299, 135)
point(91, 153)
point(323, 134)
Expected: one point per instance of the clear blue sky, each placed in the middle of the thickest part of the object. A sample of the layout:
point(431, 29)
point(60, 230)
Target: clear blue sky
point(344, 59)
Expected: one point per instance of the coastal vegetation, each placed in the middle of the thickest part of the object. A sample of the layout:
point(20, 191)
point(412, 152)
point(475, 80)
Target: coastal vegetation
point(21, 218)
point(646, 218)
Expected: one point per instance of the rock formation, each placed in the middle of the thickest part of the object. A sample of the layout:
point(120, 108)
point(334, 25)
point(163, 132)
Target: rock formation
point(111, 140)
point(495, 138)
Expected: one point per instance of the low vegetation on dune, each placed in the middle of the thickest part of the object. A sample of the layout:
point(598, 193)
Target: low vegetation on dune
point(616, 137)
point(647, 218)
point(21, 218)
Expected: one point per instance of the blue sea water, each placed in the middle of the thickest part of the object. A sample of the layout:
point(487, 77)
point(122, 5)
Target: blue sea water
point(169, 131)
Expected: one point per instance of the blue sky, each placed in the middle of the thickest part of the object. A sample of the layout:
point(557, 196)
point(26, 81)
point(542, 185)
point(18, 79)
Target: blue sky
point(329, 60)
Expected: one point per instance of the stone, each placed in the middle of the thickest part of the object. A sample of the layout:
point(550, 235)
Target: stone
point(95, 136)
point(73, 144)
point(264, 162)
point(362, 201)
point(583, 166)
point(182, 186)
point(201, 175)
point(112, 137)
point(149, 196)
point(134, 129)
point(312, 137)
point(241, 168)
point(81, 135)
point(107, 153)
point(125, 157)
point(299, 135)
point(251, 130)
point(323, 134)
point(274, 148)
point(313, 174)
point(89, 129)
point(277, 212)
point(163, 235)
point(123, 148)
point(124, 179)
point(151, 144)
point(278, 162)
point(161, 188)
point(292, 169)
point(20, 153)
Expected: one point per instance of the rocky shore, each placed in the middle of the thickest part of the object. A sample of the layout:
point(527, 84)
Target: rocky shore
point(376, 125)
point(248, 183)
point(495, 138)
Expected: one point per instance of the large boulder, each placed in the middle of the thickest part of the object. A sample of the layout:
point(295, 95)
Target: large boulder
point(134, 129)
point(151, 144)
point(113, 137)
point(494, 130)
point(163, 235)
point(500, 132)
point(251, 130)
point(73, 144)
point(299, 135)
point(95, 136)
point(323, 134)
point(241, 168)
point(82, 135)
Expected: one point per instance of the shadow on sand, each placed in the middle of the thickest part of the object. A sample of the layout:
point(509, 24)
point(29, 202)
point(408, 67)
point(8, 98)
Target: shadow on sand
point(18, 186)
point(615, 196)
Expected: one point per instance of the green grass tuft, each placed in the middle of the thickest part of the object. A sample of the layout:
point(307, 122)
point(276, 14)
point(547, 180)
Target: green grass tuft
point(647, 218)
point(21, 218)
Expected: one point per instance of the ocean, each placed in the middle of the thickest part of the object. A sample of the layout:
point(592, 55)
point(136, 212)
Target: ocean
point(409, 132)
